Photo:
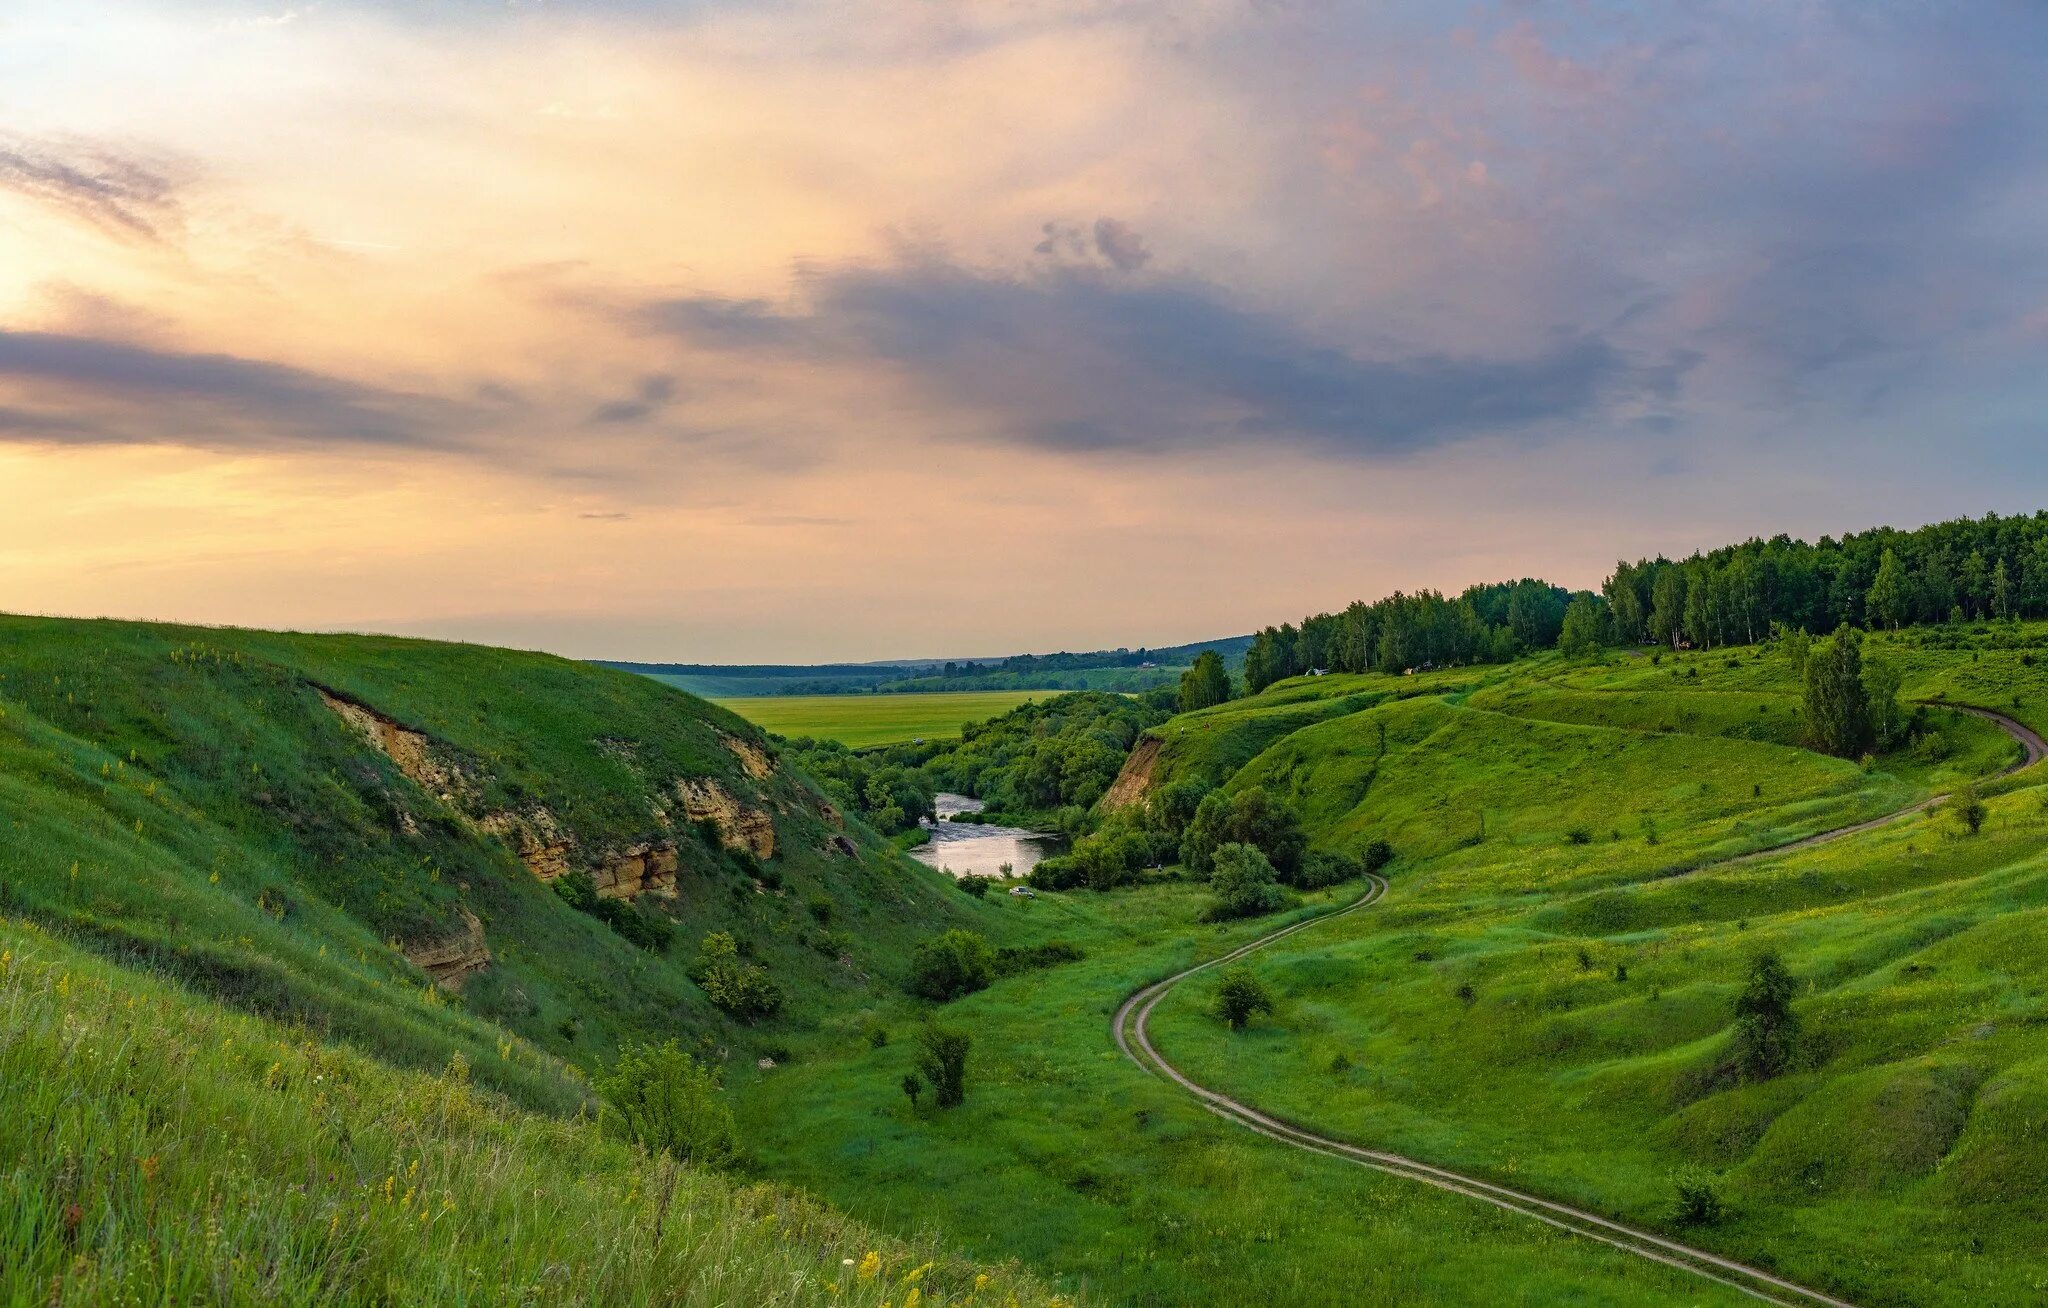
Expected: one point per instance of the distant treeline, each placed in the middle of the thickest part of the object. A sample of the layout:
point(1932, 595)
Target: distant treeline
point(1117, 670)
point(1971, 568)
point(1989, 567)
point(1486, 624)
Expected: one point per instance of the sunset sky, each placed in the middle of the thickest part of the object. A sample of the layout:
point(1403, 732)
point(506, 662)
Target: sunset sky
point(801, 331)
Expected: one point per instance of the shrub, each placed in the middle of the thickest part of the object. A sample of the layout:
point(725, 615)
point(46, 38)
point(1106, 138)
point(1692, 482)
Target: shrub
point(1579, 836)
point(667, 1102)
point(1966, 806)
point(1327, 868)
point(942, 1060)
point(1695, 1203)
point(741, 989)
point(1240, 996)
point(1766, 1030)
point(1011, 960)
point(1377, 855)
point(1244, 884)
point(974, 887)
point(647, 929)
point(948, 966)
point(820, 906)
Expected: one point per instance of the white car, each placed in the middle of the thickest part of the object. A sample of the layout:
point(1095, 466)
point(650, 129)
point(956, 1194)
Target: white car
point(1026, 891)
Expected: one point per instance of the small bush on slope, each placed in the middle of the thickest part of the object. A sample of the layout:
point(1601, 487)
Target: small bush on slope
point(155, 1148)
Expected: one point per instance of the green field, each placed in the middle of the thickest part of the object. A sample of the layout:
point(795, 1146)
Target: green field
point(859, 721)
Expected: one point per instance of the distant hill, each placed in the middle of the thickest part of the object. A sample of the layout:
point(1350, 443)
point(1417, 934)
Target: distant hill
point(1123, 669)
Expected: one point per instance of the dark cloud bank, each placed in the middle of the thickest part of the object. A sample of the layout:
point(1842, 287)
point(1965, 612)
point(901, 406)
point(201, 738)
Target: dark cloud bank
point(1072, 358)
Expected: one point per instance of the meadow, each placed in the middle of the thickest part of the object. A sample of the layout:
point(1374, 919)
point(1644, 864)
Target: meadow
point(860, 721)
point(1543, 999)
point(194, 842)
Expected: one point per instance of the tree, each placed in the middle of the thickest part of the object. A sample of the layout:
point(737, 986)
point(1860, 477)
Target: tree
point(1240, 996)
point(1837, 705)
point(913, 1086)
point(1766, 1029)
point(1580, 634)
point(1243, 883)
point(1881, 681)
point(1249, 817)
point(1890, 599)
point(951, 964)
point(1967, 806)
point(667, 1102)
point(1667, 606)
point(2003, 602)
point(1204, 684)
point(942, 1061)
point(1794, 644)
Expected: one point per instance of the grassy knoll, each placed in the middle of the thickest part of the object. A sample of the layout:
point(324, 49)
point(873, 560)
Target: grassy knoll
point(160, 1149)
point(859, 721)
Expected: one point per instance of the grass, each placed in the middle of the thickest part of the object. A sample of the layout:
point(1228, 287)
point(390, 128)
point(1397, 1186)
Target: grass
point(208, 884)
point(183, 798)
point(159, 1149)
point(859, 721)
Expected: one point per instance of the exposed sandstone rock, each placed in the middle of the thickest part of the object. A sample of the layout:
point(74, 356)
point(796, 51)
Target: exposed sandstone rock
point(739, 827)
point(1135, 779)
point(542, 843)
point(643, 869)
point(842, 845)
point(411, 750)
point(452, 960)
point(752, 757)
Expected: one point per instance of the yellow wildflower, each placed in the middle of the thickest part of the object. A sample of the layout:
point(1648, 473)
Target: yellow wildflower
point(870, 1266)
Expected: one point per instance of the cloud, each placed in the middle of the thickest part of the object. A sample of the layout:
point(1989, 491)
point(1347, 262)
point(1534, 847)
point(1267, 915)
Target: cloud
point(126, 196)
point(651, 397)
point(1078, 359)
point(87, 389)
point(1121, 245)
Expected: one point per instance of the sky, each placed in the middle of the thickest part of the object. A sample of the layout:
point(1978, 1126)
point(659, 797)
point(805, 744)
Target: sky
point(799, 331)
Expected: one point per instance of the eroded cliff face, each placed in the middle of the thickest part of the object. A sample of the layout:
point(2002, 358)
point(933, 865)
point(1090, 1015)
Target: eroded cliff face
point(739, 826)
point(543, 842)
point(1134, 781)
point(453, 959)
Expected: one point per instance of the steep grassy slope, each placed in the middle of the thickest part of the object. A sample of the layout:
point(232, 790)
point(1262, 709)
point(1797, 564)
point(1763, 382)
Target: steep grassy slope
point(321, 827)
point(158, 1149)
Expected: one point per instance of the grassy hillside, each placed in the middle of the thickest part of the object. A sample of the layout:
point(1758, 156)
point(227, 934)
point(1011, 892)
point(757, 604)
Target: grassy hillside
point(1544, 998)
point(208, 802)
point(159, 1149)
point(859, 721)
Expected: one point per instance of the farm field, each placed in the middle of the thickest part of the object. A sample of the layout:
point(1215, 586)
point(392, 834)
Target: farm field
point(859, 721)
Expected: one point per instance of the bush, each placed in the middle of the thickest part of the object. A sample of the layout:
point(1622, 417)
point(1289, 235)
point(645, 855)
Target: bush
point(1377, 855)
point(1579, 836)
point(974, 887)
point(1966, 806)
point(948, 966)
point(667, 1102)
point(1012, 960)
point(1240, 996)
point(741, 989)
point(820, 906)
point(649, 930)
point(1327, 868)
point(1696, 1203)
point(1250, 817)
point(1244, 884)
point(942, 1061)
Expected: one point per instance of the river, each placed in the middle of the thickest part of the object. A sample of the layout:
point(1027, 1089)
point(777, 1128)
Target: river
point(970, 849)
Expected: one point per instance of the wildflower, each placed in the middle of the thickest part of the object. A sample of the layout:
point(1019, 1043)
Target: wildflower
point(914, 1275)
point(870, 1266)
point(911, 1300)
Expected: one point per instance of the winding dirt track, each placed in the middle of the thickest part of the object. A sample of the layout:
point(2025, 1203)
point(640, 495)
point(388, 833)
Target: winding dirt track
point(1131, 1037)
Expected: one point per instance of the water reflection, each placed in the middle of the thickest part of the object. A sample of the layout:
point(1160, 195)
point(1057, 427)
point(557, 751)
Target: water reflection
point(970, 849)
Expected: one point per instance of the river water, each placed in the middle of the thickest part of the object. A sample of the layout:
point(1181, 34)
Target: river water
point(970, 849)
